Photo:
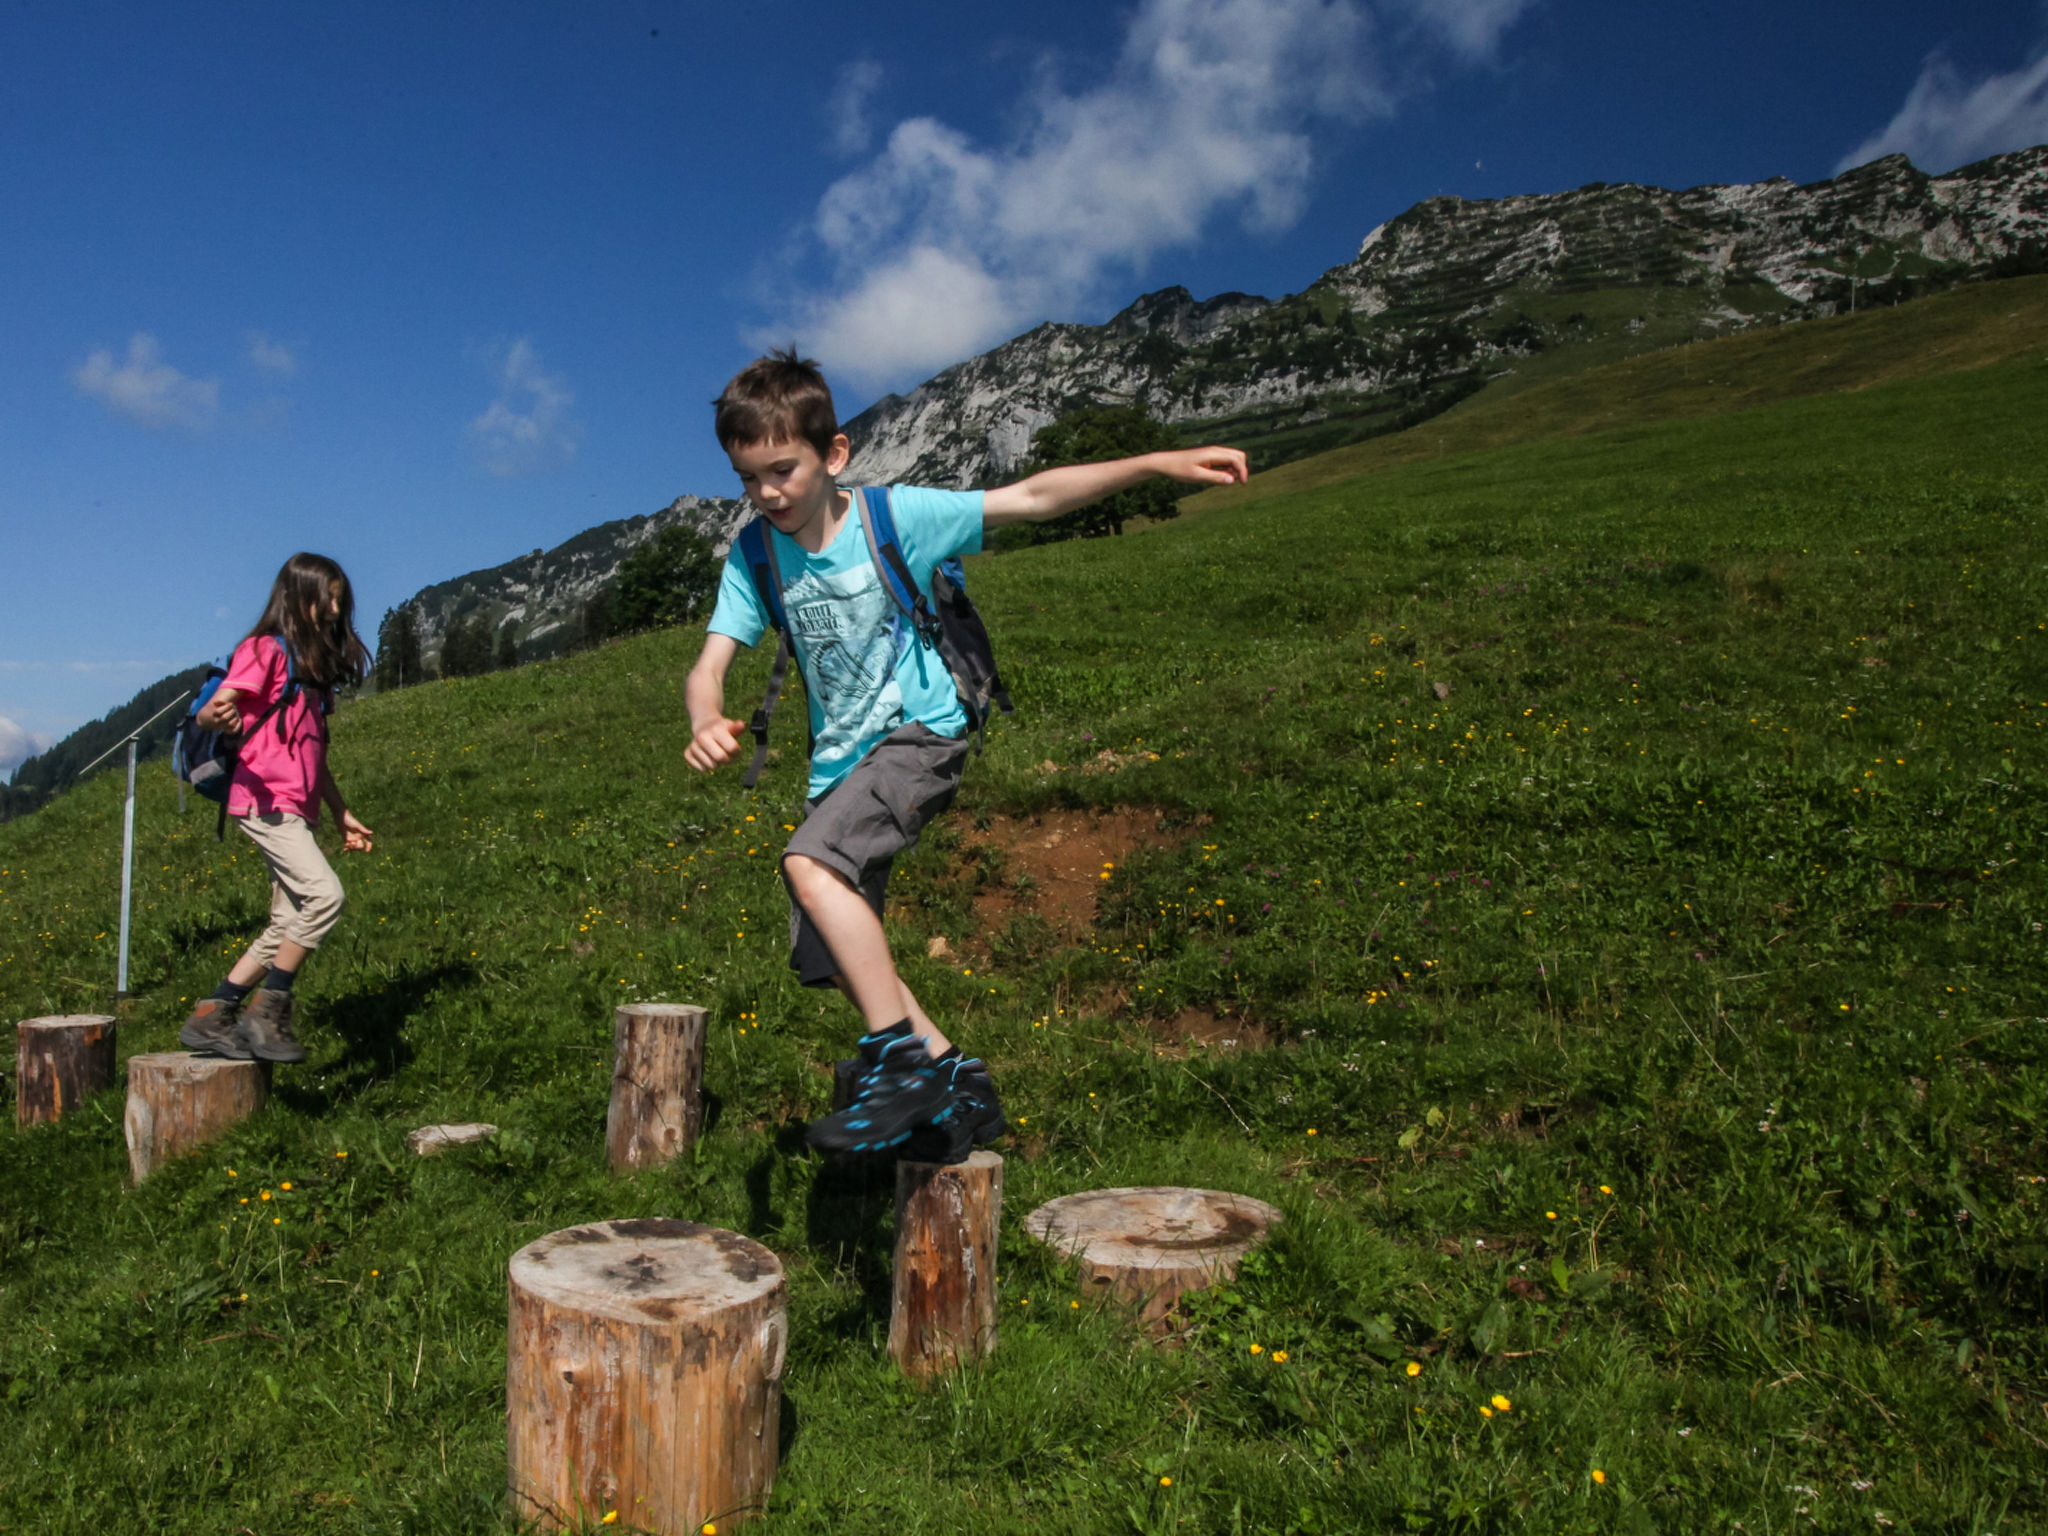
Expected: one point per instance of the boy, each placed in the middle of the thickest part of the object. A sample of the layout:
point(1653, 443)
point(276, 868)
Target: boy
point(889, 735)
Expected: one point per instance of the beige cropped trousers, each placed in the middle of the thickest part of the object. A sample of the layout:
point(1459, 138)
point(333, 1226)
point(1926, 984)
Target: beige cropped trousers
point(305, 898)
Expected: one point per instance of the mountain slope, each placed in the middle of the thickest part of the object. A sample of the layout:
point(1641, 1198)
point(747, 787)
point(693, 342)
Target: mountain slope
point(1453, 296)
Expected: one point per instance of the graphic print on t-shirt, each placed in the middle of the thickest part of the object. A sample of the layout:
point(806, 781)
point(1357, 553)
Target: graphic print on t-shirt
point(848, 638)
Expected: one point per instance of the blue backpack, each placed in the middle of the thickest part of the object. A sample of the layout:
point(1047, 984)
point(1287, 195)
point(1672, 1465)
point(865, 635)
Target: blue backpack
point(947, 622)
point(206, 759)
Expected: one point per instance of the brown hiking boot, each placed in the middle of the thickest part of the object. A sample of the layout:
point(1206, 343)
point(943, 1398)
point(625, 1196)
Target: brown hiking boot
point(266, 1028)
point(211, 1030)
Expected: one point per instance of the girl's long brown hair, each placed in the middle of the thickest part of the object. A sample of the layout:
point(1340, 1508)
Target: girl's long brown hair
point(327, 652)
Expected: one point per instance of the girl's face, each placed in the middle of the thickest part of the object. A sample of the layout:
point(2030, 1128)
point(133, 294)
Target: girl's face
point(326, 610)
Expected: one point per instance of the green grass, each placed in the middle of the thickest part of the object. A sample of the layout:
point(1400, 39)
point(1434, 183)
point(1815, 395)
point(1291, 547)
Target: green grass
point(1666, 1001)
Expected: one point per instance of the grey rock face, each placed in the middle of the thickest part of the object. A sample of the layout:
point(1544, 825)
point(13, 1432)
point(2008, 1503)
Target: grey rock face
point(1453, 293)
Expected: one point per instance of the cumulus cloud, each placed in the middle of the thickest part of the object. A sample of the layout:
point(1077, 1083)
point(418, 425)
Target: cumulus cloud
point(847, 108)
point(1949, 120)
point(1472, 28)
point(271, 356)
point(530, 427)
point(146, 389)
point(940, 246)
point(17, 746)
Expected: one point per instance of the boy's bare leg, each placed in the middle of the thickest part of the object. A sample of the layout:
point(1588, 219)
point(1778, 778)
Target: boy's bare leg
point(854, 934)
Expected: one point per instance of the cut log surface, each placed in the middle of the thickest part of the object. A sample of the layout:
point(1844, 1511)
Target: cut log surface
point(430, 1139)
point(178, 1101)
point(1149, 1247)
point(657, 1073)
point(58, 1061)
point(943, 1312)
point(644, 1375)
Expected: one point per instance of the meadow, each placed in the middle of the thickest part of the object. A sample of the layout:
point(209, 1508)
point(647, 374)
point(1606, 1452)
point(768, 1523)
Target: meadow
point(1617, 857)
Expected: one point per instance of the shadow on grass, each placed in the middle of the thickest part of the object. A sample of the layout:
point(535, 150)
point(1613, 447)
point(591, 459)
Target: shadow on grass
point(372, 1029)
point(850, 1223)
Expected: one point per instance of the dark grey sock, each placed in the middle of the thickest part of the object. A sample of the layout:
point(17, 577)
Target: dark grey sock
point(279, 979)
point(231, 992)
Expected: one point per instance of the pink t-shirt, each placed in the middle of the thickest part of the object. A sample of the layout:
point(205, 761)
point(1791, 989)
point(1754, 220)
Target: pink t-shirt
point(276, 773)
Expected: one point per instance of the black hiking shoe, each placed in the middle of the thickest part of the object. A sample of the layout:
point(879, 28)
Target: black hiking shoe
point(899, 1089)
point(971, 1117)
point(211, 1030)
point(266, 1028)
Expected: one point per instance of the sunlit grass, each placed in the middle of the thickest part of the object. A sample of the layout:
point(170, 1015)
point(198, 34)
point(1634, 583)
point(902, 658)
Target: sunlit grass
point(1635, 842)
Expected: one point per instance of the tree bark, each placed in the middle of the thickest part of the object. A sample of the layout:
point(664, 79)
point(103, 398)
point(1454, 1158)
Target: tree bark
point(657, 1076)
point(178, 1101)
point(58, 1061)
point(1148, 1247)
point(643, 1374)
point(943, 1313)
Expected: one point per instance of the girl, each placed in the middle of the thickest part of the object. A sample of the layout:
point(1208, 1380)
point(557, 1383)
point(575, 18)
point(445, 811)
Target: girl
point(303, 647)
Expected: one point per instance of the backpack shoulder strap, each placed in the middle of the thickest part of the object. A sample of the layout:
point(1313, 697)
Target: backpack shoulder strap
point(758, 550)
point(878, 523)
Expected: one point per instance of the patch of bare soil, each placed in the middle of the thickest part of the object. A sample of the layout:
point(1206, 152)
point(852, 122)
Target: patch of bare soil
point(1053, 865)
point(1197, 1029)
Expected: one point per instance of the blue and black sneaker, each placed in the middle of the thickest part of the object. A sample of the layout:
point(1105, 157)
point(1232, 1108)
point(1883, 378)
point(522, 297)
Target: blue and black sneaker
point(900, 1087)
point(971, 1117)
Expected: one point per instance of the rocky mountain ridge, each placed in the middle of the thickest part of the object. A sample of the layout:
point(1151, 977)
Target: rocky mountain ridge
point(1454, 294)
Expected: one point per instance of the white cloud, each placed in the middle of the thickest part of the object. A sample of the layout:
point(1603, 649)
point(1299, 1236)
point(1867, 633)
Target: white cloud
point(271, 356)
point(17, 746)
point(1206, 112)
point(529, 428)
point(1472, 28)
point(847, 107)
point(1947, 121)
point(147, 389)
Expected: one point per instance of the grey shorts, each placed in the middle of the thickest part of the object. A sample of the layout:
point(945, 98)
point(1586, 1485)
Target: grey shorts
point(859, 825)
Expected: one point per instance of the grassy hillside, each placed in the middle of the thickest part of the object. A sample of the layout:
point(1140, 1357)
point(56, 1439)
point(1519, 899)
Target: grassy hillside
point(1582, 389)
point(1631, 844)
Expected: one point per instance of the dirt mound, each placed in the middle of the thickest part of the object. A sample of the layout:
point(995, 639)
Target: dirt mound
point(1053, 865)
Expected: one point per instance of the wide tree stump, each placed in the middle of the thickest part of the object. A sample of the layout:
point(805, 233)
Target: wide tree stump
point(943, 1312)
point(58, 1061)
point(178, 1102)
point(657, 1075)
point(1149, 1247)
point(643, 1374)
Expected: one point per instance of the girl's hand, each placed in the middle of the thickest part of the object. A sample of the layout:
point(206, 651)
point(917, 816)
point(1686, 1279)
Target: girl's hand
point(220, 713)
point(1206, 466)
point(355, 837)
point(715, 746)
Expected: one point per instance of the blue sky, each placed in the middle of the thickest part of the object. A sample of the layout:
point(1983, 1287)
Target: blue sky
point(425, 286)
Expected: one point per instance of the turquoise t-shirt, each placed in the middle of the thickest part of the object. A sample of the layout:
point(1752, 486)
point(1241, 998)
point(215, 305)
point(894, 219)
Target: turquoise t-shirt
point(865, 671)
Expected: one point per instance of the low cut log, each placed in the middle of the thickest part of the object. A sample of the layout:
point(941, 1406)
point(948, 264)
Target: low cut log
point(1148, 1247)
point(657, 1075)
point(178, 1101)
point(643, 1375)
point(58, 1061)
point(943, 1312)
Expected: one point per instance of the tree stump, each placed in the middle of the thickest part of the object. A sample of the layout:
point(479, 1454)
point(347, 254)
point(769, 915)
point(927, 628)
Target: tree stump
point(643, 1374)
point(58, 1061)
point(943, 1312)
point(1148, 1247)
point(178, 1101)
point(657, 1073)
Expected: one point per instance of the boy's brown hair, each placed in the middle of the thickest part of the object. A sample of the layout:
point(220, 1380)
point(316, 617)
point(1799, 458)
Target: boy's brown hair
point(780, 398)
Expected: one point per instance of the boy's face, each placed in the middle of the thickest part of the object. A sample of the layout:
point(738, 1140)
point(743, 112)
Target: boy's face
point(789, 483)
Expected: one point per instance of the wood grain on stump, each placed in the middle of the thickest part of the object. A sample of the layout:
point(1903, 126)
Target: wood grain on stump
point(178, 1101)
point(943, 1313)
point(643, 1374)
point(657, 1071)
point(58, 1061)
point(1149, 1247)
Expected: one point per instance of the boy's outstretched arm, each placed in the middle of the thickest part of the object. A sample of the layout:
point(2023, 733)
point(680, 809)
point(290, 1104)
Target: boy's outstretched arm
point(1053, 491)
point(714, 740)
